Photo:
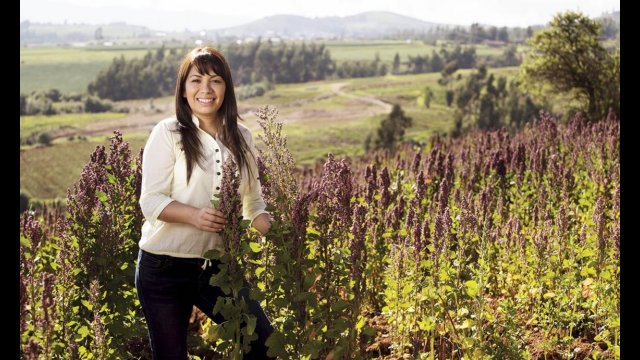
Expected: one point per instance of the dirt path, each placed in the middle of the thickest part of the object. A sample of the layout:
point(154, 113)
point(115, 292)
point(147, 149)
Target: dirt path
point(337, 88)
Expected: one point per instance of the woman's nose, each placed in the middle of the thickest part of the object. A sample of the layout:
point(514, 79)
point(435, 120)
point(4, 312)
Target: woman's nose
point(206, 86)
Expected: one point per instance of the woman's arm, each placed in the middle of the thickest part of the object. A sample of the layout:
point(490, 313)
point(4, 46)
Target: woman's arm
point(207, 219)
point(262, 223)
point(253, 205)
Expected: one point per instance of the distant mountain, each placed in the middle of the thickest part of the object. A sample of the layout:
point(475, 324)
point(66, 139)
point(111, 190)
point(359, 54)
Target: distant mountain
point(371, 24)
point(44, 33)
point(367, 25)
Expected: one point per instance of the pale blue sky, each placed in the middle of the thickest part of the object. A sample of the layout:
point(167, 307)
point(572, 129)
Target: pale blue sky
point(208, 14)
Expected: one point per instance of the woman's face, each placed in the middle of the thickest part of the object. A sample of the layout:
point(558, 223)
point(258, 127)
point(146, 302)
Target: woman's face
point(204, 93)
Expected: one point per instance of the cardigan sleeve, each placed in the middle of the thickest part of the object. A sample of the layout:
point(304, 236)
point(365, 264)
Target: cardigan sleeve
point(158, 161)
point(251, 191)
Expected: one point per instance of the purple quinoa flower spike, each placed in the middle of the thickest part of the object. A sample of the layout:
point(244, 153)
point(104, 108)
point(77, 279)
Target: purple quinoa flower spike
point(231, 206)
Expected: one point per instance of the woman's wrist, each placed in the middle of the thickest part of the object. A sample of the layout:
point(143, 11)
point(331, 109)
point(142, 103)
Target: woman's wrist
point(262, 223)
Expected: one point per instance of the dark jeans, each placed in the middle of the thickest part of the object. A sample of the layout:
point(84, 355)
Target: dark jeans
point(168, 288)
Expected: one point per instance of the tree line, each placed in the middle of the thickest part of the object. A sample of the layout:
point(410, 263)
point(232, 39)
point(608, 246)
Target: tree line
point(270, 63)
point(262, 61)
point(477, 34)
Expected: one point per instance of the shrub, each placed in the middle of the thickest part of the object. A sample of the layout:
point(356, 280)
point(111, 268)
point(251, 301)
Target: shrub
point(93, 104)
point(45, 138)
point(24, 200)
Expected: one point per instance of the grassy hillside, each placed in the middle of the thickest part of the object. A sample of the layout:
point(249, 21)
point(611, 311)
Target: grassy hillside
point(47, 172)
point(319, 117)
point(34, 125)
point(67, 69)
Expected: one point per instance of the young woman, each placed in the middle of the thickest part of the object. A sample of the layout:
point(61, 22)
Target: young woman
point(181, 170)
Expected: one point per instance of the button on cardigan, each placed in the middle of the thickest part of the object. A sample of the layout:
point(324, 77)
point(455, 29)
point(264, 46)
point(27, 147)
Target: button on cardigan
point(164, 179)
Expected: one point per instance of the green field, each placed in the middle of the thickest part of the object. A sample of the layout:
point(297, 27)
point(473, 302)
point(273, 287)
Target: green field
point(319, 117)
point(387, 49)
point(68, 69)
point(30, 125)
point(47, 172)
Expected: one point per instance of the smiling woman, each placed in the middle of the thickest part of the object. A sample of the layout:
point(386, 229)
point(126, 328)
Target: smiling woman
point(182, 170)
point(205, 94)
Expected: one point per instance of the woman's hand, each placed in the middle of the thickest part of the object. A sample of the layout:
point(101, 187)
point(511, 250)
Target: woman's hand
point(262, 223)
point(209, 219)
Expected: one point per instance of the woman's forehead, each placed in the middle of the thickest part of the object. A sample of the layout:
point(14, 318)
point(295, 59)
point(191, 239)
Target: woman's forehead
point(207, 67)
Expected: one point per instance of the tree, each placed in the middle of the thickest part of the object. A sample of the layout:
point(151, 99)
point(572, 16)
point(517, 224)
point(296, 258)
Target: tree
point(449, 95)
point(23, 104)
point(503, 34)
point(568, 58)
point(428, 95)
point(391, 130)
point(489, 103)
point(396, 63)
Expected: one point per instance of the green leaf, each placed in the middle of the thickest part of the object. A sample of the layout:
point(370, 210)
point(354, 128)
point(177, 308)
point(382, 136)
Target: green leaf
point(87, 304)
point(111, 179)
point(339, 305)
point(276, 344)
point(102, 197)
point(251, 324)
point(407, 289)
point(212, 254)
point(471, 287)
point(214, 332)
point(312, 349)
point(24, 241)
point(426, 324)
point(218, 305)
point(82, 333)
point(215, 201)
point(587, 252)
point(587, 270)
point(255, 247)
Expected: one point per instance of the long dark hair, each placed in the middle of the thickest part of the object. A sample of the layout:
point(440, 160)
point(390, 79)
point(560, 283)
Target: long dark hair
point(206, 60)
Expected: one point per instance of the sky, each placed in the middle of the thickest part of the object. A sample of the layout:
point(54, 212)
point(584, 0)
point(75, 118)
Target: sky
point(194, 15)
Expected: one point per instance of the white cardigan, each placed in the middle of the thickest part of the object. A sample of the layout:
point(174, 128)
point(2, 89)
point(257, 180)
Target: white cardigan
point(164, 179)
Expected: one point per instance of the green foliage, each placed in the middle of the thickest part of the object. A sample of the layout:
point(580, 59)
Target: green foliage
point(45, 139)
point(491, 245)
point(77, 266)
point(428, 96)
point(154, 75)
point(248, 91)
point(449, 95)
point(568, 58)
point(36, 103)
point(93, 104)
point(24, 200)
point(392, 128)
point(487, 103)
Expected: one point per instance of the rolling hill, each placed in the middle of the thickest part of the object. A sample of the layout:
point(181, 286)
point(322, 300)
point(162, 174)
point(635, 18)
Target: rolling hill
point(372, 24)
